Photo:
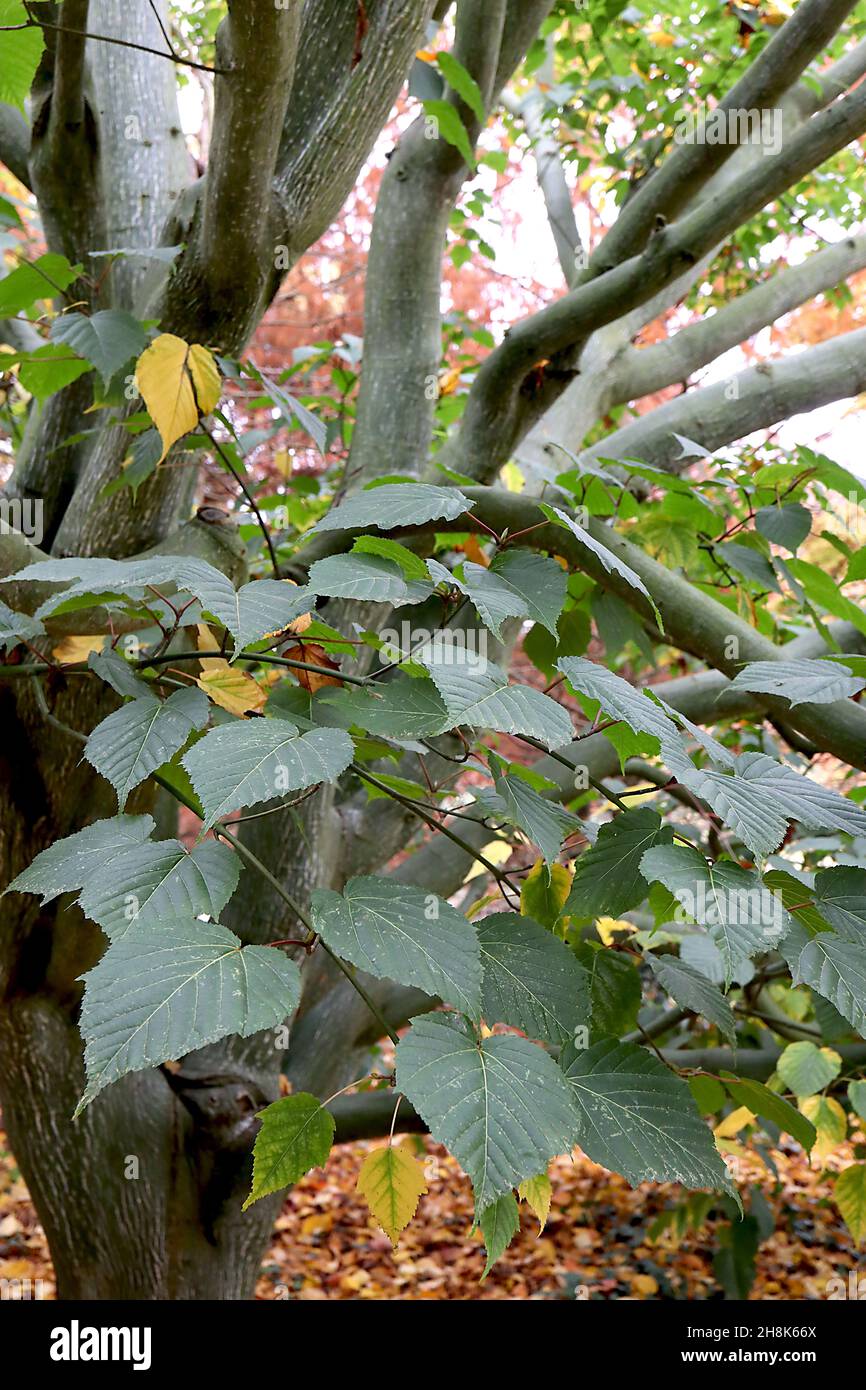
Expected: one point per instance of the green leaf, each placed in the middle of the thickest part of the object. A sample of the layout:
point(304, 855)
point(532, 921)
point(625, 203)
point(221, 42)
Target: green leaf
point(152, 881)
point(296, 1135)
point(477, 693)
point(252, 760)
point(734, 1261)
point(391, 1181)
point(709, 1094)
point(117, 672)
point(545, 822)
point(107, 339)
point(519, 584)
point(857, 1098)
point(450, 127)
point(836, 969)
point(463, 83)
point(500, 1106)
point(849, 1190)
point(692, 990)
point(787, 526)
point(619, 700)
point(392, 505)
point(14, 626)
point(70, 863)
point(402, 708)
point(49, 369)
point(258, 609)
point(799, 682)
point(412, 565)
point(499, 1224)
point(614, 986)
point(400, 933)
point(806, 1069)
point(824, 590)
point(531, 979)
point(20, 52)
point(759, 796)
point(607, 879)
point(770, 1106)
point(163, 990)
point(742, 915)
point(539, 581)
point(142, 735)
point(749, 564)
point(639, 1119)
point(35, 280)
point(367, 577)
point(493, 598)
point(840, 897)
point(611, 562)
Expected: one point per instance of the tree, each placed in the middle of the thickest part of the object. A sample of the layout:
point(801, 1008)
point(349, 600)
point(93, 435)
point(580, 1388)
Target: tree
point(413, 569)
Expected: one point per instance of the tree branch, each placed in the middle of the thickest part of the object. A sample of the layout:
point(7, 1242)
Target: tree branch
point(752, 399)
point(67, 102)
point(689, 167)
point(501, 407)
point(367, 1115)
point(530, 110)
point(238, 225)
point(642, 371)
point(15, 143)
point(693, 620)
point(402, 324)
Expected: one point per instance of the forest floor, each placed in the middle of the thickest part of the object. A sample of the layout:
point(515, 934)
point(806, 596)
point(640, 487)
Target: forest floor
point(595, 1245)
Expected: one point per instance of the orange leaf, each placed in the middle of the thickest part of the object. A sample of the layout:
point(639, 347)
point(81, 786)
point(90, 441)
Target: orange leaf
point(315, 655)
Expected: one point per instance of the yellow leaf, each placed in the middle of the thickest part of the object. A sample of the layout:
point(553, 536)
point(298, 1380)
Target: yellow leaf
point(543, 893)
point(661, 39)
point(828, 1117)
point(449, 381)
point(733, 1123)
point(645, 1285)
point(536, 1192)
point(498, 852)
point(76, 648)
point(850, 1193)
point(472, 550)
point(391, 1181)
point(230, 688)
point(179, 382)
point(606, 926)
point(513, 478)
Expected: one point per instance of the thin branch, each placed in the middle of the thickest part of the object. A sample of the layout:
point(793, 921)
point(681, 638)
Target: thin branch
point(106, 38)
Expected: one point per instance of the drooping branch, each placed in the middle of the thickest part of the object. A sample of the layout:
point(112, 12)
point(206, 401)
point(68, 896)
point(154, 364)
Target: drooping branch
point(641, 371)
point(752, 399)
